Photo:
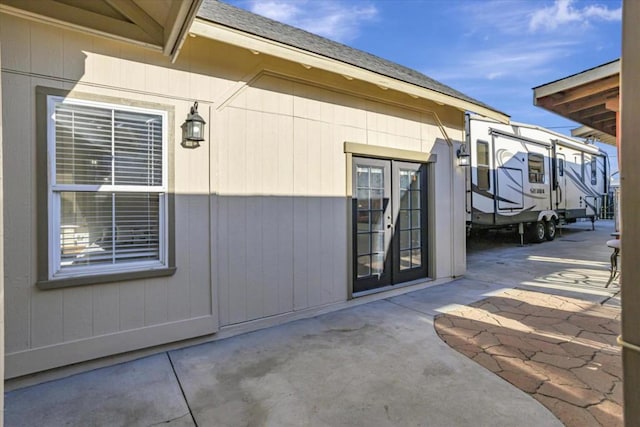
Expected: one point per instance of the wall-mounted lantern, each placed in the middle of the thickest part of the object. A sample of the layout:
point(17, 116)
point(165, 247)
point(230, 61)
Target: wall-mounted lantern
point(463, 157)
point(193, 128)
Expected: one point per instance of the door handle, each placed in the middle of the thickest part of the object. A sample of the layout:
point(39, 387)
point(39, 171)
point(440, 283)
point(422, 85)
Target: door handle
point(389, 223)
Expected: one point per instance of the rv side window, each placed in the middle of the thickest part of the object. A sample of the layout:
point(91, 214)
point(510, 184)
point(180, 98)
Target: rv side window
point(483, 169)
point(594, 171)
point(536, 168)
point(560, 167)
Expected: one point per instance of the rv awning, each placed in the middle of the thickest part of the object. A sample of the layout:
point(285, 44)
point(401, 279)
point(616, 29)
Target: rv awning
point(156, 24)
point(591, 98)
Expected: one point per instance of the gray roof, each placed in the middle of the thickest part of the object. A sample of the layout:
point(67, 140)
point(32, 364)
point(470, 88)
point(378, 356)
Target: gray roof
point(229, 16)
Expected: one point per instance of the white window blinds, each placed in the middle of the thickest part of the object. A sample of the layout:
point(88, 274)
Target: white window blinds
point(107, 188)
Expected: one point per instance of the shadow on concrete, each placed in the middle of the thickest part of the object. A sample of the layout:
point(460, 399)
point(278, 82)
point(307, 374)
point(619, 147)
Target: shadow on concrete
point(560, 350)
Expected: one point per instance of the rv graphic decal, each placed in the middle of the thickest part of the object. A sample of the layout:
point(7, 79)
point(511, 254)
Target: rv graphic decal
point(577, 180)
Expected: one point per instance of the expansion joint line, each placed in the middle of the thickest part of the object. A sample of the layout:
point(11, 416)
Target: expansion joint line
point(184, 396)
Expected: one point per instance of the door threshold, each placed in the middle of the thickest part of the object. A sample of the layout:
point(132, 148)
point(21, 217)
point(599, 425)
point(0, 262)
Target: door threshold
point(392, 287)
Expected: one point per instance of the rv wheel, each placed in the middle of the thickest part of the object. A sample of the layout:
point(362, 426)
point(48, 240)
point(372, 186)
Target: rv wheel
point(550, 233)
point(538, 231)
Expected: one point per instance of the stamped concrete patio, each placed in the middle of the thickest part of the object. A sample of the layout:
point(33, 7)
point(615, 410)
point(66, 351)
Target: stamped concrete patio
point(560, 349)
point(376, 364)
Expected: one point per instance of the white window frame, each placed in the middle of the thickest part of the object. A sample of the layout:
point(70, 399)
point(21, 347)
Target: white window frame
point(55, 270)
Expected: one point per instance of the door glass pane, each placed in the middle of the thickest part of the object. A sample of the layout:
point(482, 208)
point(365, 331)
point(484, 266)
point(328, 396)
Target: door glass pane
point(403, 220)
point(363, 244)
point(415, 238)
point(377, 264)
point(377, 221)
point(363, 176)
point(405, 242)
point(404, 199)
point(415, 180)
point(377, 242)
point(405, 260)
point(364, 266)
point(377, 178)
point(377, 198)
point(415, 200)
point(415, 218)
point(363, 198)
point(405, 179)
point(416, 258)
point(363, 221)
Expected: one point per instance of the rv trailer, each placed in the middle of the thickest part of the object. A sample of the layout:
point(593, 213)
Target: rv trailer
point(530, 177)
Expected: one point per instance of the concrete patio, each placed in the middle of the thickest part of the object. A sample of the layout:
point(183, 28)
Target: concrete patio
point(377, 364)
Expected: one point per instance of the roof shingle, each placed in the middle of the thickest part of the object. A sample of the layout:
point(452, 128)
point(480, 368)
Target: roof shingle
point(229, 16)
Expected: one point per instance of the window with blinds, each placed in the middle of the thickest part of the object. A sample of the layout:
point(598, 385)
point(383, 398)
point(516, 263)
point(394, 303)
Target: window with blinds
point(107, 188)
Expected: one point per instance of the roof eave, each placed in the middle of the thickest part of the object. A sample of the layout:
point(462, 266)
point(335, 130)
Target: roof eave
point(585, 77)
point(214, 31)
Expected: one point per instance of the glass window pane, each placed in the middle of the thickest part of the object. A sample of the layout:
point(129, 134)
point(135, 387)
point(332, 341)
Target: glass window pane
point(405, 260)
point(137, 222)
point(405, 179)
point(415, 180)
point(404, 199)
point(483, 153)
point(363, 244)
point(377, 220)
point(362, 177)
point(405, 240)
point(83, 144)
point(363, 198)
point(415, 200)
point(377, 264)
point(403, 220)
point(86, 230)
point(377, 178)
point(363, 221)
point(416, 238)
point(416, 258)
point(536, 168)
point(364, 266)
point(137, 148)
point(415, 218)
point(377, 199)
point(377, 242)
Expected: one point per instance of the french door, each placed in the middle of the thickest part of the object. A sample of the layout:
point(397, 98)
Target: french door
point(389, 223)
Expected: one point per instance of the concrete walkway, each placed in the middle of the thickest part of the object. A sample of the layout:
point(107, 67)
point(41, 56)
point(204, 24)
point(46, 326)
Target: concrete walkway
point(377, 364)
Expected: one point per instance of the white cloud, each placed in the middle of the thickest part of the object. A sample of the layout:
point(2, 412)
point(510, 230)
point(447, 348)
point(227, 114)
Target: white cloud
point(335, 19)
point(562, 12)
point(513, 60)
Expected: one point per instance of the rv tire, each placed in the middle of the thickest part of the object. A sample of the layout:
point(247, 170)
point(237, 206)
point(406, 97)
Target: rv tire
point(550, 229)
point(537, 232)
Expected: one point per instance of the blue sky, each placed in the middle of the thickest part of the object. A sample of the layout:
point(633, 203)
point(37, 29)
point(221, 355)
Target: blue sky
point(492, 50)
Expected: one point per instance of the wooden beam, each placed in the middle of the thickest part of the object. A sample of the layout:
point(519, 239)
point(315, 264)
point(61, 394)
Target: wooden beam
point(586, 90)
point(586, 102)
point(138, 16)
point(604, 118)
point(66, 16)
point(589, 112)
point(613, 104)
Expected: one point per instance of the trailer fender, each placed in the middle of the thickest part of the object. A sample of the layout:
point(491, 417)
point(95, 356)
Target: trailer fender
point(547, 216)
